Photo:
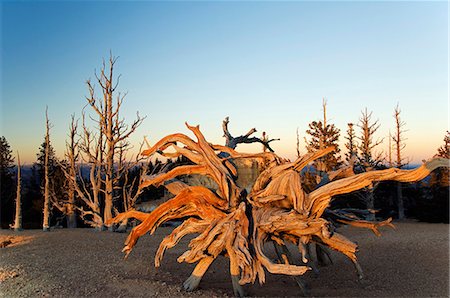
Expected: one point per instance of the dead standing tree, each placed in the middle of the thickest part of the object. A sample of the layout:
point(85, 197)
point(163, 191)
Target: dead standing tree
point(111, 126)
point(72, 155)
point(400, 161)
point(46, 209)
point(368, 159)
point(18, 217)
point(91, 147)
point(277, 209)
point(131, 186)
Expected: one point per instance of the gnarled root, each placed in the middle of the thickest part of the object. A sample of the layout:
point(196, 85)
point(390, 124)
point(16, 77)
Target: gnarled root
point(193, 201)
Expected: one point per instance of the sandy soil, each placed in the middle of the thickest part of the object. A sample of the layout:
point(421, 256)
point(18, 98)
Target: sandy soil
point(412, 260)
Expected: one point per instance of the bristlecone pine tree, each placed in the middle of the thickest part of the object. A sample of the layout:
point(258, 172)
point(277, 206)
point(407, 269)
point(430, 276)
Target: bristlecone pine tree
point(230, 222)
point(368, 160)
point(400, 161)
point(441, 176)
point(351, 145)
point(72, 155)
point(46, 209)
point(444, 150)
point(53, 182)
point(112, 127)
point(18, 215)
point(323, 135)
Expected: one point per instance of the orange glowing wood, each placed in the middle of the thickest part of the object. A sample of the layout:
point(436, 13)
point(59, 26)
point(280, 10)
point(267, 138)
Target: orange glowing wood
point(277, 208)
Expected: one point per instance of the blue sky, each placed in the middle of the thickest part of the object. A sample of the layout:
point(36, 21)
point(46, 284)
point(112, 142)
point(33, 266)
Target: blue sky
point(265, 64)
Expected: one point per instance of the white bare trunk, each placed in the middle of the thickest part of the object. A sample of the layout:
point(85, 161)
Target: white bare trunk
point(18, 217)
point(46, 222)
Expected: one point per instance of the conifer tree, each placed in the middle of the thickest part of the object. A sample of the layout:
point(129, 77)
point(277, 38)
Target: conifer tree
point(440, 177)
point(351, 145)
point(444, 150)
point(6, 181)
point(322, 135)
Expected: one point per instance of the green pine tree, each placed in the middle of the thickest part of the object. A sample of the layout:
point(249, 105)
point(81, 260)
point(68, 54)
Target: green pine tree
point(7, 184)
point(323, 135)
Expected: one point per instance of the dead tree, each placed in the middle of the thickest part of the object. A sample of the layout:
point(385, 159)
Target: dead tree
point(46, 210)
point(92, 147)
point(131, 187)
point(72, 155)
point(232, 142)
point(400, 161)
point(298, 144)
point(113, 128)
point(390, 151)
point(277, 209)
point(368, 159)
point(18, 217)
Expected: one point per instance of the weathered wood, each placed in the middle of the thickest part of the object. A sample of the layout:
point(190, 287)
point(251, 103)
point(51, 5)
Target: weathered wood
point(229, 222)
point(18, 215)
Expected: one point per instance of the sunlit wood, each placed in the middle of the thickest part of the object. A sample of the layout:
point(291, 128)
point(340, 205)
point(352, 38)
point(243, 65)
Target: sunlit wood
point(277, 208)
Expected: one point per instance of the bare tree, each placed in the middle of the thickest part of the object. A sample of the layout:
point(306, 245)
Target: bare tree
point(46, 211)
point(400, 161)
point(112, 127)
point(390, 150)
point(18, 218)
point(298, 144)
point(232, 142)
point(399, 140)
point(91, 146)
point(72, 155)
point(368, 160)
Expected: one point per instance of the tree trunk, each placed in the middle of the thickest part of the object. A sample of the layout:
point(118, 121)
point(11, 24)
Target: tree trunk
point(18, 218)
point(370, 204)
point(401, 208)
point(71, 216)
point(109, 184)
point(71, 154)
point(110, 143)
point(71, 219)
point(46, 222)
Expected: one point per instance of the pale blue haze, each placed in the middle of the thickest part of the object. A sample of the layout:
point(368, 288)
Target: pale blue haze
point(265, 64)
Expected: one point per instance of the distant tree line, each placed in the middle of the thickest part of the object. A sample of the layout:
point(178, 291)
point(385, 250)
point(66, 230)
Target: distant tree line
point(427, 200)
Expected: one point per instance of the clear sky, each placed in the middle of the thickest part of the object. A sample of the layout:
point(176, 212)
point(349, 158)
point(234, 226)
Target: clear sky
point(265, 64)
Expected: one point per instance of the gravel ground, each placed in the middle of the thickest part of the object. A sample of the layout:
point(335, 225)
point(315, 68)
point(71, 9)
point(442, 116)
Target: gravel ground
point(412, 260)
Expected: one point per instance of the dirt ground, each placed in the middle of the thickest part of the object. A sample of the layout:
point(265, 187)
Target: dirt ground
point(412, 260)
